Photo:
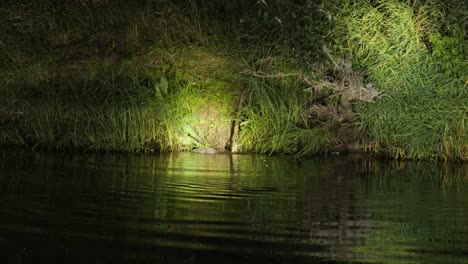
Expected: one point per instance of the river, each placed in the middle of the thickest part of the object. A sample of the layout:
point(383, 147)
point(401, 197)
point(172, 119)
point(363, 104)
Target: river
point(221, 208)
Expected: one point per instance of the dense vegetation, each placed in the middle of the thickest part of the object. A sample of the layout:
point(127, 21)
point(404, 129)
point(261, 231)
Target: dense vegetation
point(295, 77)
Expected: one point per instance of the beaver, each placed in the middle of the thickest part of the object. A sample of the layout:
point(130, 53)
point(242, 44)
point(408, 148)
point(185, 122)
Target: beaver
point(206, 150)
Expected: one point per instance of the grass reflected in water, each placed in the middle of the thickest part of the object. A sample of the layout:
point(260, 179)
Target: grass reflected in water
point(194, 208)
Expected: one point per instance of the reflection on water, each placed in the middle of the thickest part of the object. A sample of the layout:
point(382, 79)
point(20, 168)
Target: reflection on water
point(194, 208)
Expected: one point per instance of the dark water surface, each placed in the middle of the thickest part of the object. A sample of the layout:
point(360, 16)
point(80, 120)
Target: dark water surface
point(195, 208)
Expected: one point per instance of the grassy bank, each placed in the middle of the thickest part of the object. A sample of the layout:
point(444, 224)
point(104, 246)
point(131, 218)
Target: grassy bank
point(110, 76)
point(160, 75)
point(125, 107)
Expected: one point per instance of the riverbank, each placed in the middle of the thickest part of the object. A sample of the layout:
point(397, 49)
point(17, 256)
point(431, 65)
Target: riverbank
point(156, 76)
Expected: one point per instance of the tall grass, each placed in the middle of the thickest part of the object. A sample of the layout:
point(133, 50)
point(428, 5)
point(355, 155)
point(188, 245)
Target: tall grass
point(101, 75)
point(103, 114)
point(141, 105)
point(400, 45)
point(173, 111)
point(274, 120)
point(76, 115)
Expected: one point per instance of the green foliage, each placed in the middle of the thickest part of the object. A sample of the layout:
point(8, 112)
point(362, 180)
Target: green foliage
point(96, 114)
point(273, 116)
point(122, 118)
point(119, 75)
point(302, 26)
point(173, 115)
point(423, 113)
point(449, 54)
point(125, 108)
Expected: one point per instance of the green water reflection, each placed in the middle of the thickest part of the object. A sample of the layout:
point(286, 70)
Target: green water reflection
point(194, 208)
